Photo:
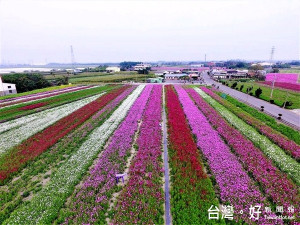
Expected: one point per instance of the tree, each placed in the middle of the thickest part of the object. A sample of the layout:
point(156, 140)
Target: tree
point(241, 65)
point(256, 67)
point(258, 92)
point(143, 71)
point(26, 82)
point(60, 81)
point(127, 65)
point(234, 85)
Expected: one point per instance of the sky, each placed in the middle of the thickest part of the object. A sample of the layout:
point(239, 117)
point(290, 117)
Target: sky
point(42, 31)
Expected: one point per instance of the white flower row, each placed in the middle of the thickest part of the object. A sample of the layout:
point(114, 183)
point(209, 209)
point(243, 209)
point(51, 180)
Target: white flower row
point(46, 97)
point(45, 205)
point(15, 131)
point(273, 151)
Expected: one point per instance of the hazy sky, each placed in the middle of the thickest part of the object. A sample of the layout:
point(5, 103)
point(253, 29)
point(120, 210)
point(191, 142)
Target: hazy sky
point(40, 31)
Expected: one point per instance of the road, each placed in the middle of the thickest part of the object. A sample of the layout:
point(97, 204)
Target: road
point(287, 115)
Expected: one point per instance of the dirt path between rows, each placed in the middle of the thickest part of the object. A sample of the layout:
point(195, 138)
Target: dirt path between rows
point(168, 218)
point(133, 152)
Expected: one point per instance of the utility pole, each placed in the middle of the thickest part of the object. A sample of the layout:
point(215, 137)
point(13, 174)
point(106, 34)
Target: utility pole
point(72, 59)
point(271, 60)
point(271, 56)
point(273, 84)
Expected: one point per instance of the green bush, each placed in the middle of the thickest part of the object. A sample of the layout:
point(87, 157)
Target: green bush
point(234, 85)
point(26, 194)
point(258, 92)
point(287, 103)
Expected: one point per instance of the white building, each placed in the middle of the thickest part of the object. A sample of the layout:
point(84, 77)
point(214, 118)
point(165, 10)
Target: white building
point(141, 66)
point(263, 64)
point(112, 69)
point(197, 65)
point(7, 88)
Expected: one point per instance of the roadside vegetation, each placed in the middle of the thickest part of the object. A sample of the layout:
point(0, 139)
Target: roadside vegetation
point(279, 95)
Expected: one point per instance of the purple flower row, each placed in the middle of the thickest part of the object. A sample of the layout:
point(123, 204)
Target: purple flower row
point(275, 183)
point(236, 187)
point(141, 201)
point(90, 203)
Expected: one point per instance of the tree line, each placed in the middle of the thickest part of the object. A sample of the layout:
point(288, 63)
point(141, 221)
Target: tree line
point(28, 82)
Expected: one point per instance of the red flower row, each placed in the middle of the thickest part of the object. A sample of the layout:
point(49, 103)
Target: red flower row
point(192, 191)
point(33, 106)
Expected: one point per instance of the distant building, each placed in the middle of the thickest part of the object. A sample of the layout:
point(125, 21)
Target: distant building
point(112, 69)
point(74, 71)
point(7, 88)
point(142, 66)
point(155, 80)
point(263, 64)
point(197, 65)
point(194, 76)
point(159, 74)
point(175, 76)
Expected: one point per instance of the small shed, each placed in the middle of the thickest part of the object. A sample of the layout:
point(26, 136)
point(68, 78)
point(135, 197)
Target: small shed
point(112, 69)
point(7, 88)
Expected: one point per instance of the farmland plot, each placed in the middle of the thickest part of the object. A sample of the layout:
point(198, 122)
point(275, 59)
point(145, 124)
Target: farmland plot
point(99, 160)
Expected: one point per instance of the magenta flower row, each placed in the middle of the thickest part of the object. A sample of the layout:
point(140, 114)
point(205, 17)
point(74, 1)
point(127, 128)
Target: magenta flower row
point(290, 86)
point(142, 199)
point(90, 203)
point(235, 186)
point(275, 183)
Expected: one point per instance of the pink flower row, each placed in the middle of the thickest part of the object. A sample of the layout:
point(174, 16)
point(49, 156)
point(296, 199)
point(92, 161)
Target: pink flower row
point(275, 183)
point(142, 199)
point(90, 203)
point(283, 77)
point(236, 187)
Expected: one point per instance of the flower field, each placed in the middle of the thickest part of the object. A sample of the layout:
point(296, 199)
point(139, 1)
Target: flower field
point(94, 155)
point(283, 77)
point(284, 85)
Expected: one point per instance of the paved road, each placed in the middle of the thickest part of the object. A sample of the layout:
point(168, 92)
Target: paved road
point(287, 115)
